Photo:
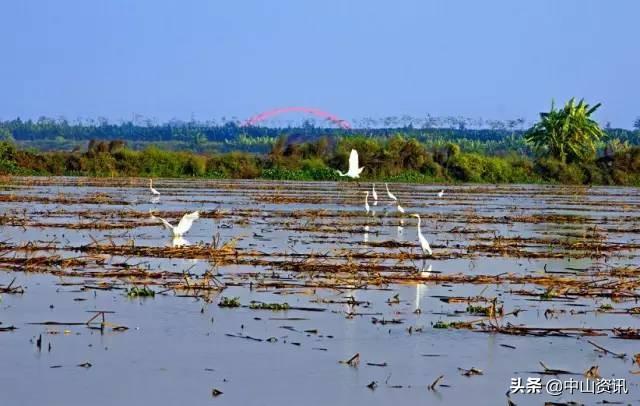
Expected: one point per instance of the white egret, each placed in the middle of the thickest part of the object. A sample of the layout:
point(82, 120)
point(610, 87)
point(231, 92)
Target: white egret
point(153, 191)
point(401, 210)
point(441, 193)
point(424, 244)
point(354, 171)
point(183, 226)
point(366, 201)
point(179, 242)
point(374, 194)
point(391, 195)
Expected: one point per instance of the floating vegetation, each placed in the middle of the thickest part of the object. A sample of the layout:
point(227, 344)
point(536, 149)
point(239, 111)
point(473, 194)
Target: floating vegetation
point(229, 302)
point(479, 310)
point(140, 292)
point(454, 324)
point(268, 306)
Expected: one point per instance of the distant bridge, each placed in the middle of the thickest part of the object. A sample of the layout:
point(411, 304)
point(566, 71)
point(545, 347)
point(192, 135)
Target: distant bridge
point(309, 110)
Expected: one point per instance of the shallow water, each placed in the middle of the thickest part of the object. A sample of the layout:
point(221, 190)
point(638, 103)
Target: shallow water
point(177, 349)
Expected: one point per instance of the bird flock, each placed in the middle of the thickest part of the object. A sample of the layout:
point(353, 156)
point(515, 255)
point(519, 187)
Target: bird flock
point(354, 171)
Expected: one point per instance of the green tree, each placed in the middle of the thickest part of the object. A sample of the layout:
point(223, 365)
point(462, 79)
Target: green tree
point(568, 134)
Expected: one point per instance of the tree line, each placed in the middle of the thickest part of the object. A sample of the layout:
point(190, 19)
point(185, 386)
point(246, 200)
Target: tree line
point(482, 136)
point(565, 146)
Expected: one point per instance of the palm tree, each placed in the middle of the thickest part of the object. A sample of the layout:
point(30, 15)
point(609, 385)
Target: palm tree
point(568, 134)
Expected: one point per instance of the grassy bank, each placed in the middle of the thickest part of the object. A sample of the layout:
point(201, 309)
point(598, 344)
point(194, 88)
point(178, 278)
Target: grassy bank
point(395, 158)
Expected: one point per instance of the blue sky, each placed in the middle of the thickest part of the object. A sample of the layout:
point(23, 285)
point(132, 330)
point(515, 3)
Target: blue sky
point(496, 59)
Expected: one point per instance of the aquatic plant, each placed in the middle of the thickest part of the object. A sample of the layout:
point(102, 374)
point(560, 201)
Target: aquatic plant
point(229, 302)
point(140, 292)
point(268, 306)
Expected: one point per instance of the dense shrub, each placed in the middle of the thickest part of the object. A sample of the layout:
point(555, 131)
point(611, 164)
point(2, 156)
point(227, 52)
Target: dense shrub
point(396, 158)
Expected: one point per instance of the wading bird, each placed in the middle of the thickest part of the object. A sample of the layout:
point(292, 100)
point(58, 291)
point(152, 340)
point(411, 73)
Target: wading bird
point(424, 244)
point(374, 194)
point(183, 226)
point(441, 193)
point(153, 191)
point(179, 242)
point(391, 195)
point(354, 171)
point(366, 201)
point(401, 210)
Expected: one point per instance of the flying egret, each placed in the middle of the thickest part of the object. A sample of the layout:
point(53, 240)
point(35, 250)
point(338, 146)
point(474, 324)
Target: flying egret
point(441, 193)
point(153, 191)
point(424, 244)
point(183, 226)
point(391, 195)
point(366, 201)
point(354, 171)
point(374, 194)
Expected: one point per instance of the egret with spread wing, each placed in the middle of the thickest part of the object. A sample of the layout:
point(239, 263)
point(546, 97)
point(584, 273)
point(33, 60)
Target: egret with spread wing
point(179, 242)
point(183, 226)
point(354, 170)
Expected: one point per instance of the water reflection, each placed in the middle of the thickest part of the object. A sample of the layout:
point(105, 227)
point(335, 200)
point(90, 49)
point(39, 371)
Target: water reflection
point(426, 272)
point(421, 289)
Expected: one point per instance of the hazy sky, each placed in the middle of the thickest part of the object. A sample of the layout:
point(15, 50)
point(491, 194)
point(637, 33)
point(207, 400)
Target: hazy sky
point(206, 59)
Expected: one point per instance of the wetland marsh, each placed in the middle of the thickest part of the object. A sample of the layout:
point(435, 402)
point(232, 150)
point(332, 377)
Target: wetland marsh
point(290, 293)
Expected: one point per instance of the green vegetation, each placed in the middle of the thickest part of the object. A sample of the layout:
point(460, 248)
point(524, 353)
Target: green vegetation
point(441, 324)
point(397, 158)
point(454, 324)
point(479, 310)
point(565, 146)
point(140, 292)
point(229, 302)
point(487, 137)
point(568, 134)
point(269, 306)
